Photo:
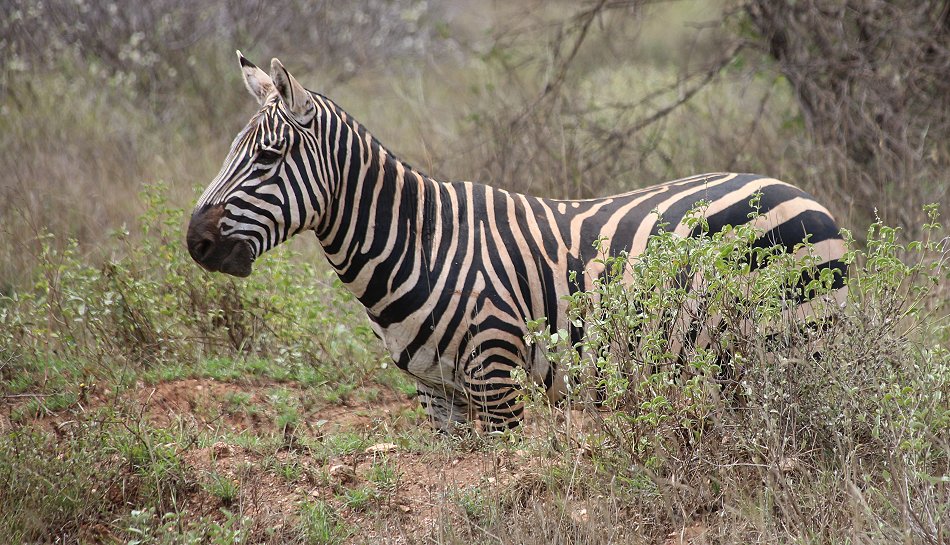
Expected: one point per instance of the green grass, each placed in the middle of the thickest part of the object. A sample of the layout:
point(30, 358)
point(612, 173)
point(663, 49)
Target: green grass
point(43, 405)
point(239, 402)
point(321, 525)
point(475, 504)
point(345, 442)
point(290, 470)
point(221, 487)
point(383, 474)
point(145, 526)
point(360, 498)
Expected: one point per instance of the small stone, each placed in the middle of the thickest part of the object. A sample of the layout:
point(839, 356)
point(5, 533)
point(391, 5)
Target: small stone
point(580, 515)
point(788, 464)
point(343, 472)
point(222, 450)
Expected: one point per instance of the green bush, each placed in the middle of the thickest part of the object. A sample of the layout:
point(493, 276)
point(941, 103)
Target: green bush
point(320, 524)
point(797, 413)
point(74, 482)
point(52, 485)
point(150, 307)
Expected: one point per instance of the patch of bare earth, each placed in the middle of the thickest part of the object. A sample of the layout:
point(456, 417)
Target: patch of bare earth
point(425, 486)
point(426, 483)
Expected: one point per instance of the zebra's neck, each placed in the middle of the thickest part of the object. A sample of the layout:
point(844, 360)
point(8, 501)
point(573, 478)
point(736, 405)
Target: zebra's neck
point(379, 217)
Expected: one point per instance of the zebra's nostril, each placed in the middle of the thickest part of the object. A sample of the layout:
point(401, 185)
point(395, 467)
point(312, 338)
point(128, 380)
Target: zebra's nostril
point(202, 247)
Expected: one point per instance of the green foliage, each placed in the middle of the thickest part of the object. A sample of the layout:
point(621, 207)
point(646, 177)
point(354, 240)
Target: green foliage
point(794, 402)
point(320, 524)
point(474, 503)
point(640, 317)
point(45, 481)
point(345, 442)
point(238, 402)
point(289, 470)
point(383, 475)
point(288, 410)
point(359, 498)
point(221, 487)
point(151, 310)
point(145, 527)
point(62, 484)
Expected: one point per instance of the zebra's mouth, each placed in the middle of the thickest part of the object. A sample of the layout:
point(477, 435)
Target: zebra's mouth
point(230, 256)
point(216, 253)
point(239, 261)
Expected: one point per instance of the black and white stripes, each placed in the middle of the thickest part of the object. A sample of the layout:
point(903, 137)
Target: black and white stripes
point(449, 273)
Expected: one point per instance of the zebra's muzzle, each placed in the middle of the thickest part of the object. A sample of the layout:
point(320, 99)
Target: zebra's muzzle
point(213, 251)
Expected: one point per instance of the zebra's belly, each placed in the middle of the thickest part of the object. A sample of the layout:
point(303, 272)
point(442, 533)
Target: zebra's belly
point(435, 370)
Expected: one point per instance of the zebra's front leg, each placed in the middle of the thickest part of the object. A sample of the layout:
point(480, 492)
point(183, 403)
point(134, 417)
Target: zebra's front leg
point(448, 410)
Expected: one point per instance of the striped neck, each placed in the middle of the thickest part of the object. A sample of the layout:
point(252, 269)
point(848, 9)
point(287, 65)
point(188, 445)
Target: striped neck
point(378, 217)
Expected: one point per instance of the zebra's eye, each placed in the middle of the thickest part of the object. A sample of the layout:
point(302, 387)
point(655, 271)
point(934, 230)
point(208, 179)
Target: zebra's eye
point(268, 155)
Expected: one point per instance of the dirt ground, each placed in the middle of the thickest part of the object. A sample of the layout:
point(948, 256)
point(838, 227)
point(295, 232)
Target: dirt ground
point(403, 512)
point(426, 485)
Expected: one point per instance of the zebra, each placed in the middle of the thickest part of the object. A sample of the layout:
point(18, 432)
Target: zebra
point(450, 273)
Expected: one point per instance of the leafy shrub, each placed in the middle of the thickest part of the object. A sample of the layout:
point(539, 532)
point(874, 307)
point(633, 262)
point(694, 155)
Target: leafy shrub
point(145, 527)
point(50, 486)
point(151, 306)
point(774, 405)
point(68, 484)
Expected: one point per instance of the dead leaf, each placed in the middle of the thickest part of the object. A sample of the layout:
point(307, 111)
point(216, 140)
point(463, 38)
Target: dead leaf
point(380, 447)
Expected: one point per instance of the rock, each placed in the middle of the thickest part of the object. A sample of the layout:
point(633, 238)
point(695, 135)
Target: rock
point(788, 464)
point(343, 473)
point(580, 515)
point(221, 450)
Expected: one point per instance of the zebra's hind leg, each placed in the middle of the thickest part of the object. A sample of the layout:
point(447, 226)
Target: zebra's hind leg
point(447, 410)
point(503, 412)
point(496, 396)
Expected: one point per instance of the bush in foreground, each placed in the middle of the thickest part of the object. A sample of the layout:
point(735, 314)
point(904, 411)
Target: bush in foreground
point(150, 308)
point(831, 429)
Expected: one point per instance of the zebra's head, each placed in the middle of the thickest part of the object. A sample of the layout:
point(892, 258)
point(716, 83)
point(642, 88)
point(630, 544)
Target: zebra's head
point(259, 198)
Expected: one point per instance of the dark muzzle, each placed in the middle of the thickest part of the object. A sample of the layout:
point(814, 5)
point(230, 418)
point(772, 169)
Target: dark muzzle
point(214, 252)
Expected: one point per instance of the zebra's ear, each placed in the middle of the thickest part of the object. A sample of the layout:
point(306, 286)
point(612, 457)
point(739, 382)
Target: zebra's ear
point(257, 81)
point(296, 99)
